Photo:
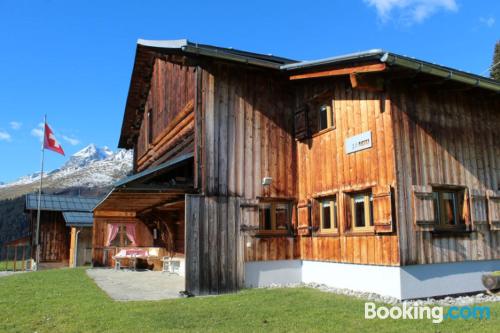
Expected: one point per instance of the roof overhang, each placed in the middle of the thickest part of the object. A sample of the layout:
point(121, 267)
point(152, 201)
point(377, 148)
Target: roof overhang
point(391, 60)
point(140, 192)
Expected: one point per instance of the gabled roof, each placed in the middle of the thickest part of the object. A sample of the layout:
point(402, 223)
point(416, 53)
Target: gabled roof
point(61, 202)
point(148, 49)
point(185, 46)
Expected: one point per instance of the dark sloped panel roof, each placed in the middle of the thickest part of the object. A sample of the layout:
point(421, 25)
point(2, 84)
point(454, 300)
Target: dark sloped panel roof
point(61, 202)
point(78, 219)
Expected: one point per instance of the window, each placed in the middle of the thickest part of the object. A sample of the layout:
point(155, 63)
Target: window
point(121, 239)
point(325, 117)
point(274, 216)
point(328, 214)
point(362, 211)
point(150, 127)
point(448, 207)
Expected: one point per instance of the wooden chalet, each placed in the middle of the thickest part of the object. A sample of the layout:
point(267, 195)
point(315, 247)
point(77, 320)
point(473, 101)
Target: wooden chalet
point(65, 229)
point(370, 171)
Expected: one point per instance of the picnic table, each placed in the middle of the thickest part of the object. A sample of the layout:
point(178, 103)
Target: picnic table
point(133, 254)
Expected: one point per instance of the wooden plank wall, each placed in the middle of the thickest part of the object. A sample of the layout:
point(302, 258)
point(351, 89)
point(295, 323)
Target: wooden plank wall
point(54, 236)
point(214, 251)
point(324, 168)
point(445, 138)
point(170, 100)
point(248, 133)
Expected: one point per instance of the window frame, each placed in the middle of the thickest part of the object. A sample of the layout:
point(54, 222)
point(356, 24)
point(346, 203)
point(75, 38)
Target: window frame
point(368, 213)
point(274, 230)
point(333, 212)
point(149, 124)
point(121, 236)
point(439, 217)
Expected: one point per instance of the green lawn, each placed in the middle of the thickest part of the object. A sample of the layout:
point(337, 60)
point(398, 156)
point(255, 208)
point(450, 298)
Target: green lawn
point(66, 300)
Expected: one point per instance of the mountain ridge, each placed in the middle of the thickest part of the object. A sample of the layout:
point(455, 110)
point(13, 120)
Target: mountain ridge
point(90, 167)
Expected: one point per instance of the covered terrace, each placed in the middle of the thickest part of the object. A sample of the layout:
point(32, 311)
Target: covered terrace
point(143, 217)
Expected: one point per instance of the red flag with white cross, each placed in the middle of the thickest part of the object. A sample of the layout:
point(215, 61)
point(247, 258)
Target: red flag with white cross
point(50, 141)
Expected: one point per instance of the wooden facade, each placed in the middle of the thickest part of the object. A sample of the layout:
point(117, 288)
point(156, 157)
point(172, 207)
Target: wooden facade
point(54, 237)
point(447, 139)
point(261, 148)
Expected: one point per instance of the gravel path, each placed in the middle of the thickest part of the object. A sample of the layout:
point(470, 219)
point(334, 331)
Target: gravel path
point(125, 285)
point(446, 301)
point(7, 273)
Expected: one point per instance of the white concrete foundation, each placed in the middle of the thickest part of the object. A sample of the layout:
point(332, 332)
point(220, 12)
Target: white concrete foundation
point(266, 273)
point(418, 281)
point(383, 280)
point(408, 282)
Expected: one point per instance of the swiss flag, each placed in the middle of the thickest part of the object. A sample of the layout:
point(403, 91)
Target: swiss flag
point(50, 141)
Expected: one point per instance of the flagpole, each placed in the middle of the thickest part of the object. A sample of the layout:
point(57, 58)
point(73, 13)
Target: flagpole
point(37, 255)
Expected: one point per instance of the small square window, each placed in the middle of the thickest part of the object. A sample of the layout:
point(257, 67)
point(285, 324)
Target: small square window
point(325, 117)
point(274, 216)
point(328, 214)
point(448, 207)
point(361, 211)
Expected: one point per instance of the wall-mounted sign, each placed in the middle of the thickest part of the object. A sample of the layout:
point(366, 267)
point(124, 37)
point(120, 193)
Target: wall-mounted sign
point(358, 142)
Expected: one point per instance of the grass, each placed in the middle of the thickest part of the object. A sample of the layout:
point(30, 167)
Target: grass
point(66, 300)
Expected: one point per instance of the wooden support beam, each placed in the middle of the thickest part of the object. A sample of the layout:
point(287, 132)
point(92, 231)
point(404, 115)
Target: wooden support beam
point(366, 82)
point(341, 71)
point(112, 213)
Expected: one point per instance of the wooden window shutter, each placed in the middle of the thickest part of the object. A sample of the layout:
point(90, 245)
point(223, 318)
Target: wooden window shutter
point(315, 218)
point(304, 218)
point(478, 208)
point(493, 211)
point(302, 123)
point(423, 207)
point(347, 209)
point(464, 208)
point(382, 209)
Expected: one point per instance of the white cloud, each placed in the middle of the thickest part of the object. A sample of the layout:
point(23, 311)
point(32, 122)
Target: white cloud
point(38, 131)
point(4, 136)
point(71, 141)
point(488, 21)
point(15, 125)
point(410, 11)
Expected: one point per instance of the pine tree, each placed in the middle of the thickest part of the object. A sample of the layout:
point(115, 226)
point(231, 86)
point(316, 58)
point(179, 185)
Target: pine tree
point(495, 70)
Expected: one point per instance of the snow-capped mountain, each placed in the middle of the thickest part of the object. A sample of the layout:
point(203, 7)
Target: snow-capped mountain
point(90, 167)
point(87, 155)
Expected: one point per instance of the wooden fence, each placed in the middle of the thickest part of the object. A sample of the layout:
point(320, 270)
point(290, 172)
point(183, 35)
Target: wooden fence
point(15, 258)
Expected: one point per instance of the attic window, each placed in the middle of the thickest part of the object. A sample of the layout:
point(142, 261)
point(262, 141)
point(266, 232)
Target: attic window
point(325, 117)
point(150, 126)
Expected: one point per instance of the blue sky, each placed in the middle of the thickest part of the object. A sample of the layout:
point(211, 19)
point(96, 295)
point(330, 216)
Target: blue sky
point(73, 59)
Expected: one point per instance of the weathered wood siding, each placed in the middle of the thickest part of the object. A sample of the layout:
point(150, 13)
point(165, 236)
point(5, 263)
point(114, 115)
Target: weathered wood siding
point(214, 246)
point(446, 138)
point(170, 105)
point(54, 236)
point(247, 124)
point(324, 169)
